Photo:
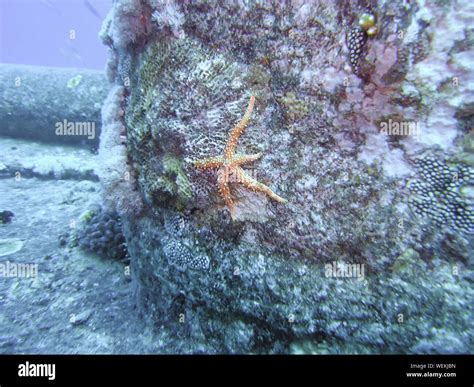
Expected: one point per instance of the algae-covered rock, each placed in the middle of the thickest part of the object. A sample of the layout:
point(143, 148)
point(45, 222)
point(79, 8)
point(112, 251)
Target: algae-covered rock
point(52, 105)
point(325, 135)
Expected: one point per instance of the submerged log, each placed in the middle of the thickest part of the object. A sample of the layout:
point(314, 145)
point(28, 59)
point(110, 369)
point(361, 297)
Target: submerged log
point(53, 105)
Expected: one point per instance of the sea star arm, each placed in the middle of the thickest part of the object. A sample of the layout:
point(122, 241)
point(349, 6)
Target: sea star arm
point(209, 163)
point(238, 130)
point(245, 159)
point(229, 166)
point(224, 190)
point(256, 186)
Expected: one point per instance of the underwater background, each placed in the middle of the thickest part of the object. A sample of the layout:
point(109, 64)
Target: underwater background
point(217, 176)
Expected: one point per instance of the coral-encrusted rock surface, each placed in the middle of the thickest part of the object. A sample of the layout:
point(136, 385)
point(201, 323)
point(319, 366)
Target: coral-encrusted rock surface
point(64, 110)
point(363, 116)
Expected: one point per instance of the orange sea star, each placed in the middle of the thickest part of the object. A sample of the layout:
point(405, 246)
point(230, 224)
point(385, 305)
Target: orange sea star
point(229, 165)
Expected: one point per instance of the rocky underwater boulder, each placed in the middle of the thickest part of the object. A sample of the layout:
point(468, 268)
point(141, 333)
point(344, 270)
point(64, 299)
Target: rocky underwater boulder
point(52, 105)
point(343, 105)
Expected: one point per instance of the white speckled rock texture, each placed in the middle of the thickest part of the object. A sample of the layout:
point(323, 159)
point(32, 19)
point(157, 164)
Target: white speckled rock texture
point(258, 283)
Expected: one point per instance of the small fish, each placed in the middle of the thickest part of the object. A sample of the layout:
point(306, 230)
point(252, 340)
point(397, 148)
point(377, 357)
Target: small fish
point(91, 8)
point(72, 53)
point(50, 5)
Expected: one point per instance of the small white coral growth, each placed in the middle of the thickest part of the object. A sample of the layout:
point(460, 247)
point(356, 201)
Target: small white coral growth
point(168, 17)
point(104, 33)
point(126, 23)
point(117, 180)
